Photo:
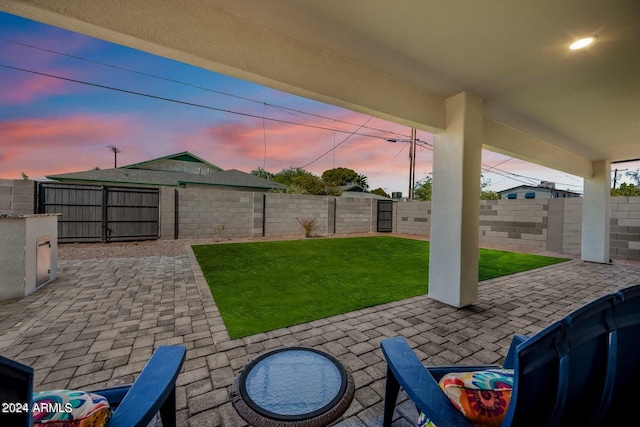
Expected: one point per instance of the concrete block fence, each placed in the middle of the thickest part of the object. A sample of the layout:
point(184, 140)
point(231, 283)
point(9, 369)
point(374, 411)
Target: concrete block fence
point(202, 212)
point(192, 211)
point(540, 224)
point(17, 196)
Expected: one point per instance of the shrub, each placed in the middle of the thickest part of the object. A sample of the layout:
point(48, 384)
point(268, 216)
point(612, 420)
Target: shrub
point(309, 226)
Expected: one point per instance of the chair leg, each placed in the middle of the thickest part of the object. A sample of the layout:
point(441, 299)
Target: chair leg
point(168, 410)
point(391, 391)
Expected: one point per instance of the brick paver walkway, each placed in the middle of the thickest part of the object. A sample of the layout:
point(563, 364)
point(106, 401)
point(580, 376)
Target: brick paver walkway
point(99, 321)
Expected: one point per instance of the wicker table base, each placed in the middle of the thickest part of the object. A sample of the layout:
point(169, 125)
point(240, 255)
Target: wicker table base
point(257, 416)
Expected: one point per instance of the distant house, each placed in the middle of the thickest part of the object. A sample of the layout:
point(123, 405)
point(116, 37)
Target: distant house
point(353, 188)
point(356, 190)
point(545, 190)
point(181, 169)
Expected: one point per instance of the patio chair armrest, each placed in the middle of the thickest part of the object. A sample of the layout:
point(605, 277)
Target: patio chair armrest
point(114, 395)
point(510, 360)
point(437, 372)
point(153, 390)
point(405, 368)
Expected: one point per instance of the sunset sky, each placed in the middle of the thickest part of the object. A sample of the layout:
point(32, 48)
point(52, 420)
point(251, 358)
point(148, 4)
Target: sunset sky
point(150, 107)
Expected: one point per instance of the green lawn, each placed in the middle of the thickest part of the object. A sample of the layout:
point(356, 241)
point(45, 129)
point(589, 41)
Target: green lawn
point(263, 286)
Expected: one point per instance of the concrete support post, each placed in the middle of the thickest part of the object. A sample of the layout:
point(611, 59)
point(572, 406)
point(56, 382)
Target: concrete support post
point(455, 207)
point(596, 213)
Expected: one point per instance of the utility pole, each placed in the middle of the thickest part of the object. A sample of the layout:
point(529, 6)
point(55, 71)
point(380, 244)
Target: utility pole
point(412, 159)
point(412, 162)
point(615, 177)
point(115, 150)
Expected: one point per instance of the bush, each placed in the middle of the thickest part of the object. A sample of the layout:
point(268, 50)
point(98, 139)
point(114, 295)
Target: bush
point(309, 226)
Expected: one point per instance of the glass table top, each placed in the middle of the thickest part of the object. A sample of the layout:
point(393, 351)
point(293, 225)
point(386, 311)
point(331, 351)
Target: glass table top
point(294, 382)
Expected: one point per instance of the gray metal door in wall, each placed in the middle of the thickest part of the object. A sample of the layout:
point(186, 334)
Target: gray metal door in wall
point(385, 215)
point(94, 213)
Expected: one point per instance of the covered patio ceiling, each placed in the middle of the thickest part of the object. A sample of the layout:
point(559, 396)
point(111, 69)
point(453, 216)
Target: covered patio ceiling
point(400, 60)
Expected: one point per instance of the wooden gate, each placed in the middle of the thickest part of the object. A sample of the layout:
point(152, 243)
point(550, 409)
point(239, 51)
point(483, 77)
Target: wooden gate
point(385, 216)
point(94, 213)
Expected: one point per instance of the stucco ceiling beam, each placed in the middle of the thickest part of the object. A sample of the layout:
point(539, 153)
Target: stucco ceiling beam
point(506, 140)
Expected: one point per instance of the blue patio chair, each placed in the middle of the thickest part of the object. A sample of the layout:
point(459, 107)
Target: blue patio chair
point(581, 370)
point(134, 405)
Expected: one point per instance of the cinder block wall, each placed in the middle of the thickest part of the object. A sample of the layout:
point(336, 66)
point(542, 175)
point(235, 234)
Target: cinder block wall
point(413, 218)
point(208, 213)
point(355, 215)
point(625, 227)
point(283, 210)
point(167, 212)
point(572, 229)
point(17, 196)
point(514, 222)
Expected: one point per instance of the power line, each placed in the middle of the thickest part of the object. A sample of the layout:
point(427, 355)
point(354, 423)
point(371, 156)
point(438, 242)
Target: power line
point(244, 98)
point(392, 160)
point(339, 144)
point(191, 104)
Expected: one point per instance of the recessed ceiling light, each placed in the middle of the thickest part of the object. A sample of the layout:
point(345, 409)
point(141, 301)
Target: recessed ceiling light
point(579, 44)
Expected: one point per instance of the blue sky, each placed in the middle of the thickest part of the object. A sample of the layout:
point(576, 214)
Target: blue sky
point(49, 125)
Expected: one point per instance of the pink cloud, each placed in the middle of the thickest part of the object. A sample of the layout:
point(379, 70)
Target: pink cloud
point(61, 131)
point(41, 147)
point(19, 87)
point(242, 146)
point(29, 88)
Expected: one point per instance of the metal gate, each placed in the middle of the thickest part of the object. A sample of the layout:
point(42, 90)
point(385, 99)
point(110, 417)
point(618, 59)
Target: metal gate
point(385, 216)
point(94, 213)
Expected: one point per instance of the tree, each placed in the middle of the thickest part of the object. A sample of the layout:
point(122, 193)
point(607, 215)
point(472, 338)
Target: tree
point(380, 192)
point(423, 189)
point(625, 189)
point(340, 176)
point(304, 182)
point(484, 193)
point(259, 172)
point(361, 180)
point(635, 176)
point(489, 195)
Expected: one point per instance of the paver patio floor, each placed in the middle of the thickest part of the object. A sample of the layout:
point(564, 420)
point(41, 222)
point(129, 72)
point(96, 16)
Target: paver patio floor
point(97, 324)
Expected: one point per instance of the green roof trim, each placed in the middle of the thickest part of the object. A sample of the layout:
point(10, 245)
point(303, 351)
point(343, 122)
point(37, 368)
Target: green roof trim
point(185, 156)
point(58, 178)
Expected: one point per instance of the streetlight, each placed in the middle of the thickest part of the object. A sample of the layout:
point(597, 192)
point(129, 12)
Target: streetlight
point(412, 159)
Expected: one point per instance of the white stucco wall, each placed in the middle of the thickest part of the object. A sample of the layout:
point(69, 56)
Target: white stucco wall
point(12, 258)
point(18, 252)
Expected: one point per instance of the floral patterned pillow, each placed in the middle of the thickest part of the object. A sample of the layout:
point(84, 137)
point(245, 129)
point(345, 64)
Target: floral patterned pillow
point(65, 408)
point(482, 396)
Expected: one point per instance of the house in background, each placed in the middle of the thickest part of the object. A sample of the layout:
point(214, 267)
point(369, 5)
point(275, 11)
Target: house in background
point(356, 190)
point(545, 190)
point(181, 169)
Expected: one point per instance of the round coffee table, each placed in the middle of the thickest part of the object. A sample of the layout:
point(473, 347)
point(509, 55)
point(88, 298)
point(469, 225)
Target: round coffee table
point(293, 386)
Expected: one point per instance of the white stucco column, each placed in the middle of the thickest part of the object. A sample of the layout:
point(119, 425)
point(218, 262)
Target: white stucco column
point(596, 212)
point(455, 205)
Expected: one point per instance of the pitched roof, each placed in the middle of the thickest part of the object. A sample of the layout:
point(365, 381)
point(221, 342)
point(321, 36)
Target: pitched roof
point(184, 156)
point(143, 173)
point(536, 188)
point(353, 187)
point(230, 178)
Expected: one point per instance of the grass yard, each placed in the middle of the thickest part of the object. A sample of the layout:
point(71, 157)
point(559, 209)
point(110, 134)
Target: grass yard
point(263, 286)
